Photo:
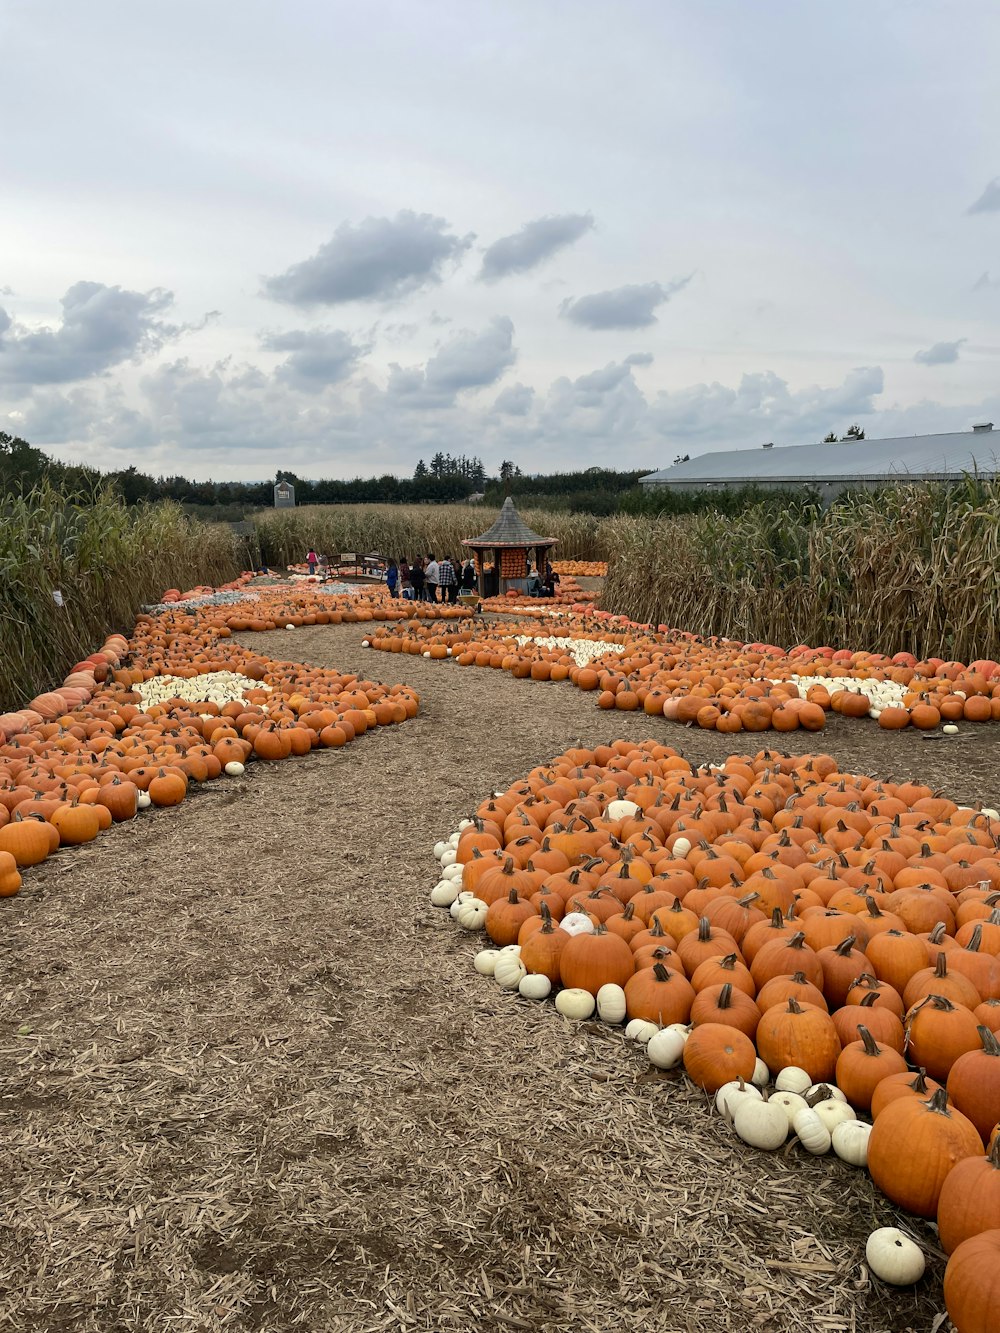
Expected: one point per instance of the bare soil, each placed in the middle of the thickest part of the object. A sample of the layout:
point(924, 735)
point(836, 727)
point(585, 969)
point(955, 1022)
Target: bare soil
point(250, 1081)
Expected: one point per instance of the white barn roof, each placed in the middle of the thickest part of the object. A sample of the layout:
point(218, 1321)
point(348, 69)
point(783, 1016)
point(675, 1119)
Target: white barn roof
point(920, 456)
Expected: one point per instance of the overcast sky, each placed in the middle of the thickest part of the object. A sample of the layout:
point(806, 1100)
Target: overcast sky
point(237, 235)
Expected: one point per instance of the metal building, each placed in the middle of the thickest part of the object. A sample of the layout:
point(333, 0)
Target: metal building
point(284, 495)
point(832, 468)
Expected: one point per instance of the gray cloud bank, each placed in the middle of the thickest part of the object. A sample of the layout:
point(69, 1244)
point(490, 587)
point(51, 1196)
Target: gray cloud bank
point(941, 354)
point(101, 327)
point(535, 243)
point(379, 259)
point(989, 200)
point(630, 307)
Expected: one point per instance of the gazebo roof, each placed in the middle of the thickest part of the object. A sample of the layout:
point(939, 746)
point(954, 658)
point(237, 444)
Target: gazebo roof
point(510, 529)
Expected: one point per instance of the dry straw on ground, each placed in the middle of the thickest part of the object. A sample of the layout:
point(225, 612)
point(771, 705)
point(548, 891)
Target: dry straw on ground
point(250, 1080)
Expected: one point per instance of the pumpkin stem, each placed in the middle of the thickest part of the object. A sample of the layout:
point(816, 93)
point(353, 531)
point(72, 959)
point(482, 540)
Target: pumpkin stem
point(793, 1005)
point(871, 1046)
point(938, 1102)
point(975, 939)
point(660, 972)
point(798, 941)
point(845, 946)
point(728, 963)
point(656, 928)
point(725, 999)
point(870, 1000)
point(993, 1156)
point(941, 968)
point(937, 934)
point(704, 930)
point(777, 920)
point(629, 911)
point(990, 1044)
point(546, 926)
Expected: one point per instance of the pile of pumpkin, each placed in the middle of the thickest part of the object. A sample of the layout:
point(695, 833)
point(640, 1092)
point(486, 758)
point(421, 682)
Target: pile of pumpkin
point(721, 685)
point(583, 569)
point(206, 589)
point(137, 723)
point(769, 917)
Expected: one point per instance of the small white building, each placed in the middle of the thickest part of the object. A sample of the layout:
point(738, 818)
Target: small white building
point(835, 467)
point(284, 495)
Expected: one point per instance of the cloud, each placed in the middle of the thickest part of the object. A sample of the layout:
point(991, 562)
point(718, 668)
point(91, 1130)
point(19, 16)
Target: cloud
point(473, 360)
point(941, 354)
point(379, 259)
point(536, 242)
point(319, 357)
point(101, 327)
point(623, 307)
point(639, 359)
point(989, 200)
point(763, 407)
point(984, 282)
point(514, 401)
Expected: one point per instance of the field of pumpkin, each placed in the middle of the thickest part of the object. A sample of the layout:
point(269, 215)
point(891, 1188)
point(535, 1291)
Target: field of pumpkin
point(715, 684)
point(815, 950)
point(819, 950)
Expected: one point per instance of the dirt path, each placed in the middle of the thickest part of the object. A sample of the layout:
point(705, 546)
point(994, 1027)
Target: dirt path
point(249, 1079)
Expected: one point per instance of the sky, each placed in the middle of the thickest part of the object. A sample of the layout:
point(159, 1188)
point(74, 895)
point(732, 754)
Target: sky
point(335, 238)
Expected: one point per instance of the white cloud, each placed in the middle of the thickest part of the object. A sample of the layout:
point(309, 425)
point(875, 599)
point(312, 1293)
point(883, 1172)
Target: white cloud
point(623, 308)
point(941, 354)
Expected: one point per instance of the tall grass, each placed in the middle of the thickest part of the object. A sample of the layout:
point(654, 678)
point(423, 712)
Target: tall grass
point(910, 568)
point(286, 535)
point(106, 559)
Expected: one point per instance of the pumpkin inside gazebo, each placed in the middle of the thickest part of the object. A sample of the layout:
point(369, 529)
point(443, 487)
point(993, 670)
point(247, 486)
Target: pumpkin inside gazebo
point(504, 552)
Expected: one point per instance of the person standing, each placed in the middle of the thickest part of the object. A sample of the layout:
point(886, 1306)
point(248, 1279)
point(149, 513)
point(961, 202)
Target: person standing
point(417, 579)
point(469, 576)
point(431, 578)
point(405, 586)
point(392, 578)
point(312, 560)
point(446, 580)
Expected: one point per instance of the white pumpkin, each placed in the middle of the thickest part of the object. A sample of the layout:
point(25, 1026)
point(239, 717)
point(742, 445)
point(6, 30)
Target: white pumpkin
point(638, 1029)
point(683, 1029)
point(464, 897)
point(577, 923)
point(681, 847)
point(894, 1258)
point(665, 1048)
point(575, 1003)
point(444, 893)
point(790, 1102)
point(622, 810)
point(508, 971)
point(455, 872)
point(833, 1112)
point(515, 949)
point(472, 914)
point(793, 1079)
point(439, 849)
point(485, 961)
point(761, 1075)
point(535, 986)
point(463, 824)
point(235, 769)
point(611, 1004)
point(453, 840)
point(730, 1095)
point(850, 1141)
point(760, 1124)
point(143, 801)
point(812, 1133)
point(449, 858)
point(822, 1092)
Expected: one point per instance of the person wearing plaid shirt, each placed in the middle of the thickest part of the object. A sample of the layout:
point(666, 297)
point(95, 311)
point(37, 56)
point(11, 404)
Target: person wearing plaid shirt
point(447, 579)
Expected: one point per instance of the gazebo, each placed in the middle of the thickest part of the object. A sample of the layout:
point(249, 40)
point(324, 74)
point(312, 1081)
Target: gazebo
point(510, 544)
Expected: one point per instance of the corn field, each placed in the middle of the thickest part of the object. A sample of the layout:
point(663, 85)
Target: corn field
point(106, 560)
point(286, 535)
point(909, 568)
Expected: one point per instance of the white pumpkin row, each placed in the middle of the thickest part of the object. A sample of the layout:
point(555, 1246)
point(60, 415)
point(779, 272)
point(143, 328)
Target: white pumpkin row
point(582, 651)
point(218, 687)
